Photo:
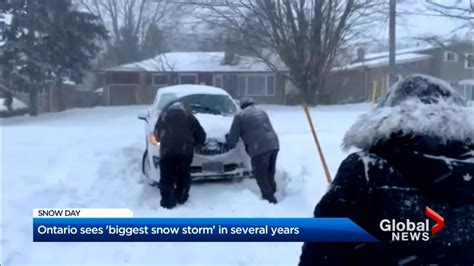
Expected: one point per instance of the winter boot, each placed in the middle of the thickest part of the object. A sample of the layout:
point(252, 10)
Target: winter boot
point(182, 198)
point(168, 204)
point(272, 199)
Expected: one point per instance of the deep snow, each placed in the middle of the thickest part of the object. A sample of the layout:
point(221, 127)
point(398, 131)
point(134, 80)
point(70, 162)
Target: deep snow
point(90, 158)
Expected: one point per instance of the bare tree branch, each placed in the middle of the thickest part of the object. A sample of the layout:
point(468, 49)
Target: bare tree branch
point(460, 10)
point(306, 35)
point(135, 15)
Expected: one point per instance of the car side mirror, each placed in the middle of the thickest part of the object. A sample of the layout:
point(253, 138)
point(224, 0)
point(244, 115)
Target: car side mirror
point(143, 116)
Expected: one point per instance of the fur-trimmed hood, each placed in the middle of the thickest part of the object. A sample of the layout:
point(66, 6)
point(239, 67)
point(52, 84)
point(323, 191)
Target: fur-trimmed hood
point(418, 105)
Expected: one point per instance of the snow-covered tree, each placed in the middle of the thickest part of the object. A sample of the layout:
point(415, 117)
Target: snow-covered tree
point(133, 24)
point(47, 42)
point(153, 42)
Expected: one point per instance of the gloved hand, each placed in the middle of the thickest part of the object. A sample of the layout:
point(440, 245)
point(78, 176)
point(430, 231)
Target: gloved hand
point(154, 139)
point(229, 145)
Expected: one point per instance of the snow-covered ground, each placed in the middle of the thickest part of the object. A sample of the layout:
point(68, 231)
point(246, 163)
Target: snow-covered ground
point(90, 158)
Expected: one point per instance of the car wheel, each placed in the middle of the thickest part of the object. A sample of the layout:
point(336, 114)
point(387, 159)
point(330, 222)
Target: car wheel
point(146, 171)
point(145, 163)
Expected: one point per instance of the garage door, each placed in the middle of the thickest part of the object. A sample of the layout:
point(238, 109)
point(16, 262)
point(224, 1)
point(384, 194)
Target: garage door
point(122, 95)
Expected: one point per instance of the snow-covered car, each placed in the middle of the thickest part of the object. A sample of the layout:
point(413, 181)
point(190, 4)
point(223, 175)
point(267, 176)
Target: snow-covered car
point(214, 108)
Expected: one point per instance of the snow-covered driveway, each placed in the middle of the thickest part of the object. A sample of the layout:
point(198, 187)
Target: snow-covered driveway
point(90, 158)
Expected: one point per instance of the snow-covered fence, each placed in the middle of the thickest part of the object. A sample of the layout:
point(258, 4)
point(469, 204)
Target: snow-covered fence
point(52, 100)
point(43, 100)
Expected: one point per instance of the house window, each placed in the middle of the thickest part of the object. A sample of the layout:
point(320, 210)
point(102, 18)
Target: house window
point(188, 79)
point(450, 56)
point(218, 81)
point(469, 61)
point(161, 79)
point(241, 84)
point(271, 85)
point(258, 84)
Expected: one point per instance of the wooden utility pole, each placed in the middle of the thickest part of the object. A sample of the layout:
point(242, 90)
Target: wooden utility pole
point(392, 43)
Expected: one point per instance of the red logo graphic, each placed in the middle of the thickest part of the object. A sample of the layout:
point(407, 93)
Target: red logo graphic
point(437, 218)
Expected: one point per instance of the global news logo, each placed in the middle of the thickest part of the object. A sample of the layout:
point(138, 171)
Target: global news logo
point(413, 231)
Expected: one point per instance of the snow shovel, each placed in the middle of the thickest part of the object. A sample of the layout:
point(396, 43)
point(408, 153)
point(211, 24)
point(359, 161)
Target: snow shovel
point(318, 145)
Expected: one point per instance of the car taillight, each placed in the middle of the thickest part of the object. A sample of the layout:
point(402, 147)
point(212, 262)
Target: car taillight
point(154, 139)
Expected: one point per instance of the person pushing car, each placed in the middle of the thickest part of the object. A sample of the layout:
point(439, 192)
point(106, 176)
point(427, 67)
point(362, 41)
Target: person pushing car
point(178, 132)
point(261, 143)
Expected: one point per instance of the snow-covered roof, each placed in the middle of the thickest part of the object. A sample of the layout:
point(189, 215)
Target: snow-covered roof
point(195, 62)
point(466, 82)
point(409, 50)
point(188, 89)
point(406, 55)
point(399, 59)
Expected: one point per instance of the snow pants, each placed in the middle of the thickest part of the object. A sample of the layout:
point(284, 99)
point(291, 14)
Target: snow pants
point(264, 170)
point(175, 179)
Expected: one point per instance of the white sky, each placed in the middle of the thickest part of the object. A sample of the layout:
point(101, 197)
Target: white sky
point(413, 23)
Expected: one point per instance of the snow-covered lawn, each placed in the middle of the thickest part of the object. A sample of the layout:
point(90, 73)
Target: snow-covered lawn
point(90, 158)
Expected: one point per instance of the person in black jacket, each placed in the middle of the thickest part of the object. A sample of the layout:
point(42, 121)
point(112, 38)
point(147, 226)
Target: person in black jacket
point(261, 143)
point(417, 151)
point(178, 132)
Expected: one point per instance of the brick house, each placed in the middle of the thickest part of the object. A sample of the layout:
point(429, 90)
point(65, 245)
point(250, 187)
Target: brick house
point(453, 63)
point(241, 76)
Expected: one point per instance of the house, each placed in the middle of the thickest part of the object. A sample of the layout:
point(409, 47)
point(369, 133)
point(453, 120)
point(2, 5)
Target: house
point(241, 76)
point(355, 82)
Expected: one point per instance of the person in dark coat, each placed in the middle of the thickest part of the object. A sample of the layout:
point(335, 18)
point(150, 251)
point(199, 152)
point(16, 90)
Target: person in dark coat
point(417, 151)
point(261, 143)
point(178, 132)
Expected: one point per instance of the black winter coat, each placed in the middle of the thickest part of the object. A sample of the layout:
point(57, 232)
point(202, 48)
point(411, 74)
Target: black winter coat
point(380, 184)
point(178, 131)
point(254, 127)
point(415, 154)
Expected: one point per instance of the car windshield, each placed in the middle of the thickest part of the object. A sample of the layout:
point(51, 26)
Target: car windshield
point(210, 103)
point(165, 99)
